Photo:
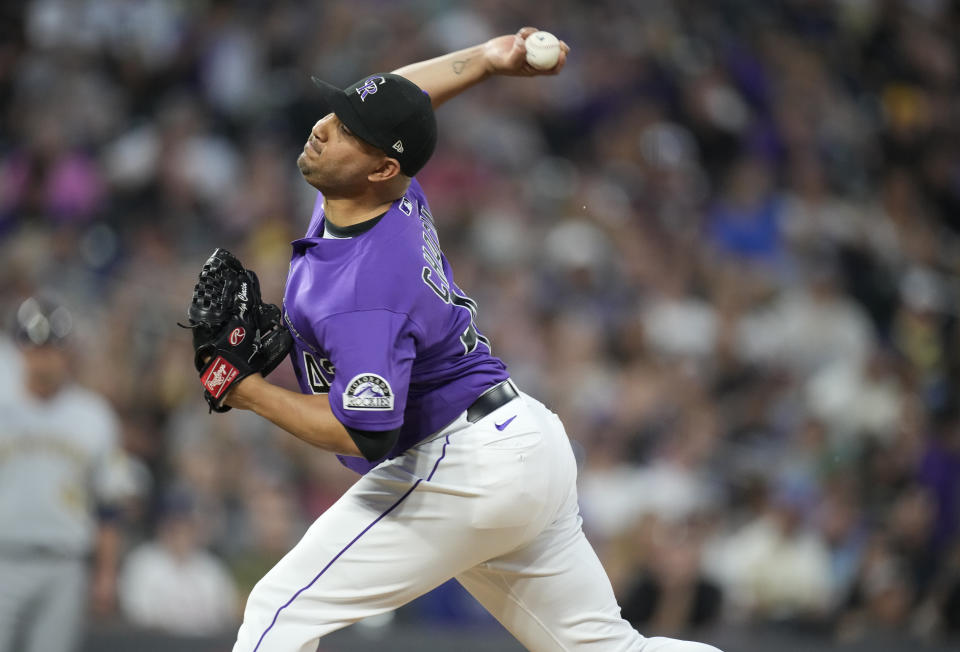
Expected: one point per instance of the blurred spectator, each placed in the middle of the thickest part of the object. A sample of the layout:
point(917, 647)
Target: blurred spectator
point(882, 595)
point(858, 399)
point(53, 179)
point(944, 607)
point(841, 525)
point(271, 525)
point(173, 584)
point(812, 214)
point(940, 473)
point(920, 332)
point(747, 221)
point(775, 567)
point(670, 593)
point(809, 326)
point(910, 528)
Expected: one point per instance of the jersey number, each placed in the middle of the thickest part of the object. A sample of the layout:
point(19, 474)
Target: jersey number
point(317, 373)
point(470, 337)
point(434, 259)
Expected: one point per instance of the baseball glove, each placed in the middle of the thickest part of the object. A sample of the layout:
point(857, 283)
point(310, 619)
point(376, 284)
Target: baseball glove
point(235, 334)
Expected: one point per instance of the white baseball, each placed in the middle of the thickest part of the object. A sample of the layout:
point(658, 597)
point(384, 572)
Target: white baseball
point(543, 50)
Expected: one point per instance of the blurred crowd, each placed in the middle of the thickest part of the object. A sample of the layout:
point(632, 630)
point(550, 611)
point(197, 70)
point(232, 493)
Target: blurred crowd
point(723, 245)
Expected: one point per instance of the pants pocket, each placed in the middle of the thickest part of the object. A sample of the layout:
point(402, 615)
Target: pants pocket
point(510, 482)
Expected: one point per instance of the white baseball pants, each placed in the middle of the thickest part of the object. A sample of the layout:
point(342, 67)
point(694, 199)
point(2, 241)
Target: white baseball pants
point(497, 509)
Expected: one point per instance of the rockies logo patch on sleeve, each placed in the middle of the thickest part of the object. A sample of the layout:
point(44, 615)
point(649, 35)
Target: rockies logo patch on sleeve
point(368, 392)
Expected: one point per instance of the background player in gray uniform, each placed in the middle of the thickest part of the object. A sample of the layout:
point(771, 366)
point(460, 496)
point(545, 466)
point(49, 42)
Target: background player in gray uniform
point(61, 478)
point(465, 475)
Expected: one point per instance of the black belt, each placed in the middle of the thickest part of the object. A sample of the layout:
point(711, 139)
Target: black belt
point(495, 397)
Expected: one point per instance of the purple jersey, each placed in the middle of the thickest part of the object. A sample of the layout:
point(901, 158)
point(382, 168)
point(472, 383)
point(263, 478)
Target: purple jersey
point(379, 324)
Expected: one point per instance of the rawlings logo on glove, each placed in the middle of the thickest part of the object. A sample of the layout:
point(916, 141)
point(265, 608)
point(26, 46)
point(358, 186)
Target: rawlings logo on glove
point(235, 334)
point(218, 377)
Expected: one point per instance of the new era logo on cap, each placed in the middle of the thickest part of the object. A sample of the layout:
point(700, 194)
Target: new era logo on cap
point(389, 112)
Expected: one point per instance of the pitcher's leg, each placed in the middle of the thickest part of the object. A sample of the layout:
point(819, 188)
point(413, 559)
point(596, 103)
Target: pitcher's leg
point(558, 599)
point(401, 530)
point(362, 557)
point(553, 595)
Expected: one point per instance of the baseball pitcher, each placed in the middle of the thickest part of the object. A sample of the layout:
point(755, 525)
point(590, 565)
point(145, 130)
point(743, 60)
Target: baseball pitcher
point(464, 475)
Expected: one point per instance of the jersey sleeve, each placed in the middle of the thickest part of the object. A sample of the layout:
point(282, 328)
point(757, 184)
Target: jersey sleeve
point(372, 353)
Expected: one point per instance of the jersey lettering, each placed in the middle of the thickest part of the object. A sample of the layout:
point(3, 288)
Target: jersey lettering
point(431, 253)
point(319, 373)
point(470, 338)
point(433, 274)
point(441, 290)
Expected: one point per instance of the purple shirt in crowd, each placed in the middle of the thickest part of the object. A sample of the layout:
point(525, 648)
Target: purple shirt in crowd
point(379, 324)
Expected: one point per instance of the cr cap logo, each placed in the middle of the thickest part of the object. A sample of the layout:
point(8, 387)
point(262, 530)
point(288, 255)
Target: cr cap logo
point(368, 392)
point(237, 335)
point(369, 87)
point(398, 146)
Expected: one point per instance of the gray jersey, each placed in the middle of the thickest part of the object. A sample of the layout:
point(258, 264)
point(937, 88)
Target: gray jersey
point(59, 459)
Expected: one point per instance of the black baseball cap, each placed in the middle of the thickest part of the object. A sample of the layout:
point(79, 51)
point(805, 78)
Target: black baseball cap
point(388, 111)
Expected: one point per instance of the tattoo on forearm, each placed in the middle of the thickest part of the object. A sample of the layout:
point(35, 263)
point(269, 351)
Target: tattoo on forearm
point(458, 66)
